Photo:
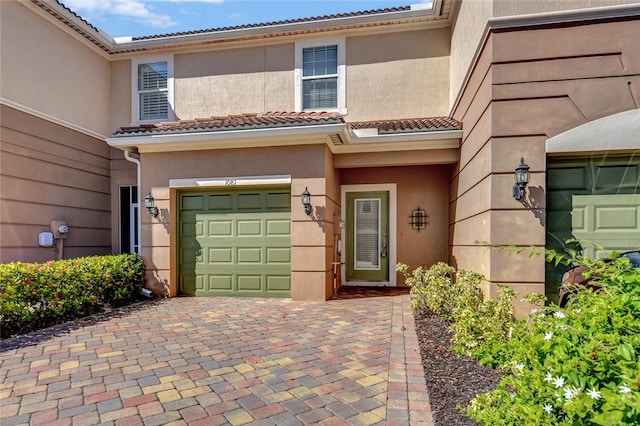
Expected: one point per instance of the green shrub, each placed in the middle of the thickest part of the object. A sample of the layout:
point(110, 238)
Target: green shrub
point(35, 295)
point(574, 366)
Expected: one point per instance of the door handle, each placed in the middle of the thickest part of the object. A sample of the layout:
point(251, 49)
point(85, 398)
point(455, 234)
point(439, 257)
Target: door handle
point(384, 252)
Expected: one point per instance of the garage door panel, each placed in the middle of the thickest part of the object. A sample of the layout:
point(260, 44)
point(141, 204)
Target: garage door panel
point(245, 249)
point(281, 200)
point(220, 283)
point(248, 227)
point(278, 283)
point(192, 202)
point(221, 256)
point(221, 202)
point(278, 227)
point(249, 201)
point(249, 283)
point(220, 228)
point(278, 255)
point(249, 255)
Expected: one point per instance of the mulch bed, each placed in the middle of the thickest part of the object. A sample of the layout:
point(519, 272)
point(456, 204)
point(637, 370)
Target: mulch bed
point(452, 381)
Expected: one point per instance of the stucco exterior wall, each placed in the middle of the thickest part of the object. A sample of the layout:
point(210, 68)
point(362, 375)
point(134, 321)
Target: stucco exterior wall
point(51, 172)
point(234, 81)
point(45, 69)
point(527, 86)
point(470, 21)
point(417, 186)
point(401, 75)
point(404, 72)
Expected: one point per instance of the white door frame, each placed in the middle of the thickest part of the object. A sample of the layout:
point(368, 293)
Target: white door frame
point(393, 220)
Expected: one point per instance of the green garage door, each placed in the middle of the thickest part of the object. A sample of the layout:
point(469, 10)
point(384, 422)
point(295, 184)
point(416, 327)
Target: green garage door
point(235, 243)
point(594, 199)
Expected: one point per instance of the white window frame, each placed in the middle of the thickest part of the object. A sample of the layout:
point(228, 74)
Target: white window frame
point(342, 69)
point(135, 94)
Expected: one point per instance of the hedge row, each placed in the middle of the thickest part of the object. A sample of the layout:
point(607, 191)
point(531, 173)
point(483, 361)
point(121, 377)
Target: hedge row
point(36, 295)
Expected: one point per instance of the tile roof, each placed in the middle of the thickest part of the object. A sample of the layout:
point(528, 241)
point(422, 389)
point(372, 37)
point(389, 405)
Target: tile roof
point(409, 125)
point(283, 22)
point(235, 122)
point(286, 119)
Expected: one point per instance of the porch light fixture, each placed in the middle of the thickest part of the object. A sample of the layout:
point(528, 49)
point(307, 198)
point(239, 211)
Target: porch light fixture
point(150, 205)
point(522, 179)
point(418, 219)
point(306, 201)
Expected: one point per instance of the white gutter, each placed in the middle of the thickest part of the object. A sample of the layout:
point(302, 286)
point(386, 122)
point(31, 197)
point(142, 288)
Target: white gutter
point(128, 157)
point(123, 142)
point(362, 136)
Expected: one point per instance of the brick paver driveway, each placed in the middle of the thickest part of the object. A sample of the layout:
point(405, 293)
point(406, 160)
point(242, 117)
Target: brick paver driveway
point(213, 361)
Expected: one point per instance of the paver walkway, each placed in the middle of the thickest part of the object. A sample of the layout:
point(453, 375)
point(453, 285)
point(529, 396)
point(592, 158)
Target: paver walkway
point(212, 361)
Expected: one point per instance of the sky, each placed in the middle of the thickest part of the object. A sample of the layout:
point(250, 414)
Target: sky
point(137, 18)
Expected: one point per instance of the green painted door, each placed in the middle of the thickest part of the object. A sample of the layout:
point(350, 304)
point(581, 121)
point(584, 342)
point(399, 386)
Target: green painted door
point(367, 234)
point(596, 200)
point(235, 243)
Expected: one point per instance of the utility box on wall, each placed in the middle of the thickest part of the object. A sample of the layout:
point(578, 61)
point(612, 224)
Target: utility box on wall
point(45, 239)
point(59, 229)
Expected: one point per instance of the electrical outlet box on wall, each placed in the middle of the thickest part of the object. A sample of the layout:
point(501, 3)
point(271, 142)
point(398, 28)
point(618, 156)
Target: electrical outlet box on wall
point(59, 229)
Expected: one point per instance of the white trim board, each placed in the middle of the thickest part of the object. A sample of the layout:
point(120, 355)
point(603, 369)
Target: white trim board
point(230, 181)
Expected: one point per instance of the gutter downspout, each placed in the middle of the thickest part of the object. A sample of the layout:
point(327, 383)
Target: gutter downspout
point(128, 157)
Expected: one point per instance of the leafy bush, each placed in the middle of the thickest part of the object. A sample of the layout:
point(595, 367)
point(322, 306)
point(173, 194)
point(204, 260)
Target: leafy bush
point(573, 366)
point(579, 365)
point(478, 325)
point(36, 295)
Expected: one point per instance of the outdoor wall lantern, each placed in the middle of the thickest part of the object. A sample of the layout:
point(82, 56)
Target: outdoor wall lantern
point(150, 205)
point(418, 219)
point(306, 201)
point(522, 179)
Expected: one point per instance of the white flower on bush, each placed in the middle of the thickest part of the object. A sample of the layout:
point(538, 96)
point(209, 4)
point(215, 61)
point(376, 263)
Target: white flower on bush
point(548, 335)
point(548, 408)
point(518, 366)
point(594, 394)
point(624, 389)
point(559, 315)
point(570, 393)
point(510, 332)
point(549, 377)
point(559, 382)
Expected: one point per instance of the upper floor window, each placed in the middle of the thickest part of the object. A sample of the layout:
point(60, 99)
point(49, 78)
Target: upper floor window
point(152, 89)
point(320, 75)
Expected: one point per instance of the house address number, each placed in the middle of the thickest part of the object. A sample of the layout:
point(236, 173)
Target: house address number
point(230, 182)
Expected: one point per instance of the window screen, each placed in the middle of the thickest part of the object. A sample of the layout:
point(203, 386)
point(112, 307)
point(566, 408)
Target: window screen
point(320, 77)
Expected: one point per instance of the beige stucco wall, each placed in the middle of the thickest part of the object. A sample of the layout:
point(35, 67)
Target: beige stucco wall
point(234, 81)
point(404, 73)
point(417, 186)
point(51, 172)
point(518, 96)
point(398, 75)
point(471, 18)
point(46, 69)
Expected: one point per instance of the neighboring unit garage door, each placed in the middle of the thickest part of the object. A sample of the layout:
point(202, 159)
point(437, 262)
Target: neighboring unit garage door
point(235, 243)
point(596, 200)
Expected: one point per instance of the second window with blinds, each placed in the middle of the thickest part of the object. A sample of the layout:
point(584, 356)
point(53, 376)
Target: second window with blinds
point(320, 76)
point(152, 89)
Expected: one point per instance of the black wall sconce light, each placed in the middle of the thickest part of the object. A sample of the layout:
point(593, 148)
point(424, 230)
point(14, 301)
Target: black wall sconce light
point(522, 179)
point(150, 205)
point(306, 201)
point(418, 219)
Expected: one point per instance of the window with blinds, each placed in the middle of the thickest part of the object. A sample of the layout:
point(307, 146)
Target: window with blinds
point(153, 91)
point(320, 77)
point(367, 234)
